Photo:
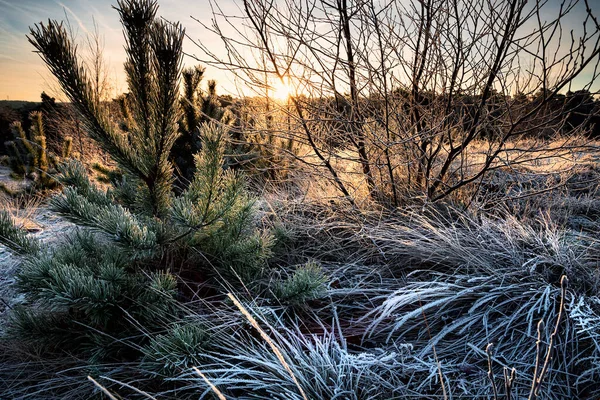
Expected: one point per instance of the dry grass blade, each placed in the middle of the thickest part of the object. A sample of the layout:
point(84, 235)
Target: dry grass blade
point(267, 339)
point(537, 381)
point(146, 395)
point(102, 388)
point(210, 384)
point(488, 351)
point(435, 356)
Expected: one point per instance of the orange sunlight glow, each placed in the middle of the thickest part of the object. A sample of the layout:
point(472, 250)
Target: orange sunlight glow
point(281, 91)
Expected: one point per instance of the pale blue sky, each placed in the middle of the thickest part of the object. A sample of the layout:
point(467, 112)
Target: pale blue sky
point(23, 75)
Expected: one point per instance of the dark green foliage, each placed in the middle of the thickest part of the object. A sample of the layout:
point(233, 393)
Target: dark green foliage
point(308, 282)
point(198, 107)
point(153, 64)
point(110, 281)
point(29, 155)
point(86, 289)
point(141, 212)
point(45, 332)
point(181, 347)
point(14, 238)
point(123, 187)
point(218, 213)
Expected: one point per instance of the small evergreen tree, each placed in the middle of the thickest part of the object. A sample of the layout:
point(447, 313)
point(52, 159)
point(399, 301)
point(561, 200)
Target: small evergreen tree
point(308, 282)
point(198, 107)
point(29, 156)
point(88, 290)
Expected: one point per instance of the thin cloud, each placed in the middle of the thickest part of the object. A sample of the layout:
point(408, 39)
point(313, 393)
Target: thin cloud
point(77, 19)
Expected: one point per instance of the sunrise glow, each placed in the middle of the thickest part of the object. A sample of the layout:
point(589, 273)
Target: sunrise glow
point(281, 91)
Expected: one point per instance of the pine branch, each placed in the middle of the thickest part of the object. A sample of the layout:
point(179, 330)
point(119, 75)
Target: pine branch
point(116, 222)
point(60, 55)
point(15, 238)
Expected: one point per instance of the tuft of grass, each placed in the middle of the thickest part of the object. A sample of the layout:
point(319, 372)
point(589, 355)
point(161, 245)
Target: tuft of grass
point(287, 364)
point(467, 312)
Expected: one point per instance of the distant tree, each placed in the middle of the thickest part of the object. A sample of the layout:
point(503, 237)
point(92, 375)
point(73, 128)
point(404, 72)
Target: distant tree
point(583, 111)
point(29, 156)
point(7, 116)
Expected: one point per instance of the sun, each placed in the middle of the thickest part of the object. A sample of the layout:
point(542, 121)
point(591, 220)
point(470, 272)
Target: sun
point(281, 91)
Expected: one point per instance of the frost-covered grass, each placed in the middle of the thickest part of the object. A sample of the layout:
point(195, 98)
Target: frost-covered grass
point(373, 305)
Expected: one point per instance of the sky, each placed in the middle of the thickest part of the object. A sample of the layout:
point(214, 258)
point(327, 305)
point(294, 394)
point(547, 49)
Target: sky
point(23, 75)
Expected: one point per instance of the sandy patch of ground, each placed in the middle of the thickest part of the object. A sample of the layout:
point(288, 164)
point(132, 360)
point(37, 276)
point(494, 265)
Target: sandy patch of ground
point(9, 183)
point(41, 223)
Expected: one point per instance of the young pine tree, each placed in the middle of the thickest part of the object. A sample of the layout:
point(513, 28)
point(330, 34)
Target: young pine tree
point(117, 268)
point(198, 108)
point(29, 156)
